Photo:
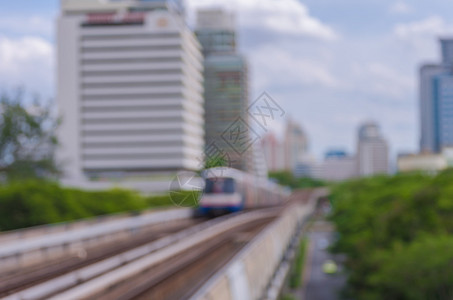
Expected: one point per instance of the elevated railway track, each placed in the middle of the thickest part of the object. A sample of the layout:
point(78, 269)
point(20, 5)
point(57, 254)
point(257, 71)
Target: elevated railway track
point(171, 261)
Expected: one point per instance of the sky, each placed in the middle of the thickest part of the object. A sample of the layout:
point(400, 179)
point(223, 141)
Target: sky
point(329, 64)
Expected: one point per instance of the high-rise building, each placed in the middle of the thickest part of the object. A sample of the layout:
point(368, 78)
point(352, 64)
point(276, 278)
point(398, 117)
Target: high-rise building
point(273, 152)
point(372, 151)
point(443, 99)
point(216, 31)
point(296, 145)
point(258, 165)
point(225, 87)
point(129, 89)
point(436, 102)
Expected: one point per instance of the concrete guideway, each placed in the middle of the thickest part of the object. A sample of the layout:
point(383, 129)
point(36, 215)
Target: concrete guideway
point(21, 253)
point(170, 246)
point(248, 246)
point(249, 274)
point(183, 274)
point(79, 275)
point(94, 260)
point(13, 236)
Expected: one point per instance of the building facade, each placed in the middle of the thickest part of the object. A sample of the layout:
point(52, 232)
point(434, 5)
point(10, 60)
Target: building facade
point(225, 89)
point(336, 166)
point(372, 151)
point(129, 89)
point(427, 162)
point(273, 152)
point(443, 99)
point(436, 118)
point(296, 145)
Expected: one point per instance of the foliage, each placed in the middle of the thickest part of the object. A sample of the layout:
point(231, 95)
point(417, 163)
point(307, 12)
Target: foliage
point(295, 278)
point(288, 297)
point(31, 203)
point(394, 231)
point(216, 161)
point(27, 138)
point(419, 270)
point(288, 179)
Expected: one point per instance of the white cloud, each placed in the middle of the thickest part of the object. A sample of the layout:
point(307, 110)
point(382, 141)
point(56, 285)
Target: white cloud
point(400, 8)
point(27, 25)
point(429, 27)
point(283, 16)
point(420, 37)
point(28, 62)
point(383, 80)
point(282, 68)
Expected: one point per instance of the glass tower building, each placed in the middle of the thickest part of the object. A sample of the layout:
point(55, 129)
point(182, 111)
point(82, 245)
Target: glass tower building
point(443, 100)
point(436, 102)
point(225, 87)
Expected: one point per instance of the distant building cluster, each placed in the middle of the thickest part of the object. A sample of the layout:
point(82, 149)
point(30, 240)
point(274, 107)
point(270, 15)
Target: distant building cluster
point(291, 154)
point(436, 115)
point(287, 153)
point(371, 158)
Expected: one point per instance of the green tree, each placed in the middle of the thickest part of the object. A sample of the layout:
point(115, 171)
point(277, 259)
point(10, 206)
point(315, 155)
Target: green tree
point(421, 270)
point(288, 179)
point(216, 161)
point(27, 137)
point(395, 232)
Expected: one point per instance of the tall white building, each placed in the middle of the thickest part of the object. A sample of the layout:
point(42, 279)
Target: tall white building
point(274, 152)
point(372, 152)
point(296, 145)
point(129, 89)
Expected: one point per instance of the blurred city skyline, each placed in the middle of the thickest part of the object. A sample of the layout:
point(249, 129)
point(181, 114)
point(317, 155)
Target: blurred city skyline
point(342, 63)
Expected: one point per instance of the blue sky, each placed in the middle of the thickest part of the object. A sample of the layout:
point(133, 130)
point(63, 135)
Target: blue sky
point(330, 64)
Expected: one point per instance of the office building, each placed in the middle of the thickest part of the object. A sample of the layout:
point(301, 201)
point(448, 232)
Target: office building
point(225, 89)
point(372, 151)
point(216, 31)
point(273, 152)
point(339, 169)
point(129, 89)
point(427, 162)
point(337, 166)
point(258, 164)
point(296, 145)
point(443, 95)
point(436, 102)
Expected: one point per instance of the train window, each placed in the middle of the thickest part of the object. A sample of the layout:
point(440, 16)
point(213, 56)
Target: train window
point(220, 186)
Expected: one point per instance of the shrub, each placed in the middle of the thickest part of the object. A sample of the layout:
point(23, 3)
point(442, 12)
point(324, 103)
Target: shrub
point(31, 203)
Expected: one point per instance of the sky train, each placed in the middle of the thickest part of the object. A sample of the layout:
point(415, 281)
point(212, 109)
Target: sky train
point(229, 190)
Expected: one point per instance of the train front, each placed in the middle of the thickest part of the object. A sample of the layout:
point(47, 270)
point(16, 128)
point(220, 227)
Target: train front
point(221, 193)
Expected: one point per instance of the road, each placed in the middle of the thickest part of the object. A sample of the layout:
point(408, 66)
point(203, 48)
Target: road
point(318, 285)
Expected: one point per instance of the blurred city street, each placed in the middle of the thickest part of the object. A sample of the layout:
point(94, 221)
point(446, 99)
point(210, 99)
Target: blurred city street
point(317, 284)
